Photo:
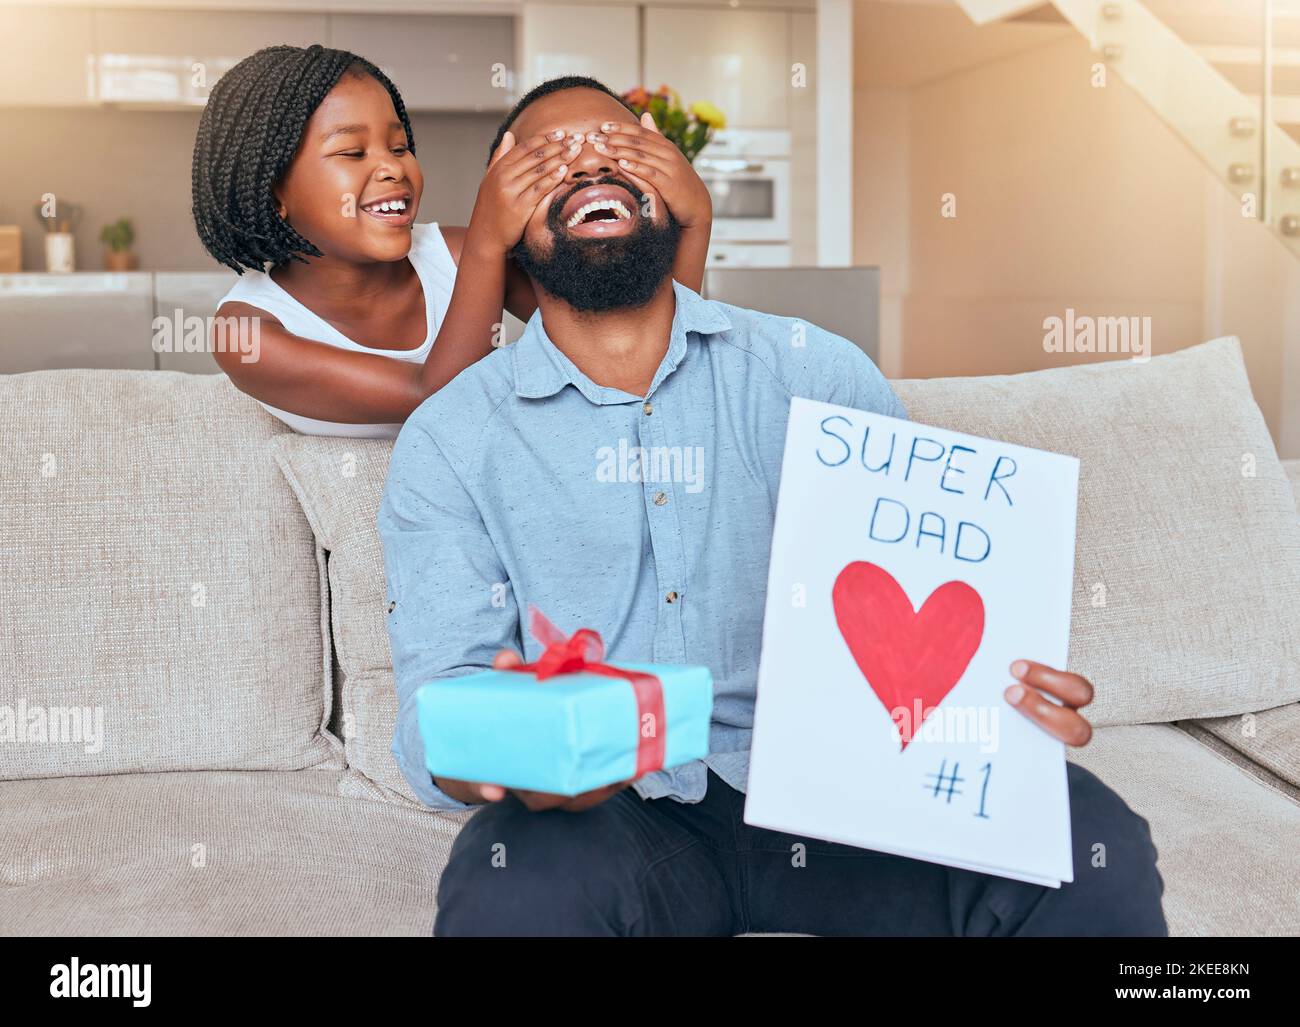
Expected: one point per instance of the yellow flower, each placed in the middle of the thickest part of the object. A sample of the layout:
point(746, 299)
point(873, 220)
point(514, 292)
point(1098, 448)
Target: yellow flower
point(709, 114)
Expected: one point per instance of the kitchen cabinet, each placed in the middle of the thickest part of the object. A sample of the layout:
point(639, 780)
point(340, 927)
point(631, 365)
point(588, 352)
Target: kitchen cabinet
point(75, 56)
point(99, 319)
point(736, 59)
point(598, 40)
point(151, 56)
point(439, 62)
point(181, 33)
point(844, 300)
point(140, 321)
point(85, 319)
point(45, 57)
point(766, 254)
point(178, 295)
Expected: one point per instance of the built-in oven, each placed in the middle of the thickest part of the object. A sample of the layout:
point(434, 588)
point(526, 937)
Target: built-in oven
point(747, 172)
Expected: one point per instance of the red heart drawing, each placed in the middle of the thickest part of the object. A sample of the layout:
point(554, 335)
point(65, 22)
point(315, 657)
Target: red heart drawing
point(907, 654)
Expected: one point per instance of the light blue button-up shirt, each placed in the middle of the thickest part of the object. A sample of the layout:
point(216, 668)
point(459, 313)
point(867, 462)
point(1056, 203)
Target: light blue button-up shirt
point(648, 518)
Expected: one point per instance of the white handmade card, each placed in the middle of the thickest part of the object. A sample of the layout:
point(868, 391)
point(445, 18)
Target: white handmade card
point(910, 567)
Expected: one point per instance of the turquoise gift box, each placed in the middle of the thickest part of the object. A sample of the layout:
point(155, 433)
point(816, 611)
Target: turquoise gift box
point(565, 735)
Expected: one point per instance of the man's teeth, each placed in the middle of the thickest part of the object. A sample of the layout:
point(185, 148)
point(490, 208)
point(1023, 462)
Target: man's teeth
point(388, 206)
point(595, 205)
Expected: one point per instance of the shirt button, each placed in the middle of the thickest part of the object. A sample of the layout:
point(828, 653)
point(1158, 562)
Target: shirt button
point(392, 606)
point(671, 597)
point(660, 498)
point(648, 407)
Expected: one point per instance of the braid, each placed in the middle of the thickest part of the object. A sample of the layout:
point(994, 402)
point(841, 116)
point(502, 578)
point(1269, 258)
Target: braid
point(248, 135)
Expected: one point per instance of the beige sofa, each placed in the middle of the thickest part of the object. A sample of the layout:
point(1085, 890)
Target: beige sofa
point(196, 702)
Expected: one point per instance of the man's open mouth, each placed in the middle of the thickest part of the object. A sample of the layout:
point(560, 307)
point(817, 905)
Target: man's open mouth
point(598, 210)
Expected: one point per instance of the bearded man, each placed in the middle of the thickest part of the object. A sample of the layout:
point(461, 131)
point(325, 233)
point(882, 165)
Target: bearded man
point(495, 501)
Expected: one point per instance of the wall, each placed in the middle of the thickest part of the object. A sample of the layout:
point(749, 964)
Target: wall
point(1066, 195)
point(136, 164)
point(881, 187)
point(1252, 290)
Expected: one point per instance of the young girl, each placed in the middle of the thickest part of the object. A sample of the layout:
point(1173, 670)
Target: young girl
point(305, 175)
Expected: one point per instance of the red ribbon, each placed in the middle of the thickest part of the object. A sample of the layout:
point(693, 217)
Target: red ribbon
point(582, 653)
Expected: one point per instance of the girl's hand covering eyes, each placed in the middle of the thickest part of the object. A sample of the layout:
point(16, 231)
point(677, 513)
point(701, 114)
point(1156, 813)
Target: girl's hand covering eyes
point(520, 176)
point(649, 159)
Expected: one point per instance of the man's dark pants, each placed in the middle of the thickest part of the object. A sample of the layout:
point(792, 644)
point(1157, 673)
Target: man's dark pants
point(658, 867)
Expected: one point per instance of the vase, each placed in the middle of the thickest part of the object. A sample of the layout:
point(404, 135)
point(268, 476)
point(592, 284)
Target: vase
point(120, 260)
point(60, 252)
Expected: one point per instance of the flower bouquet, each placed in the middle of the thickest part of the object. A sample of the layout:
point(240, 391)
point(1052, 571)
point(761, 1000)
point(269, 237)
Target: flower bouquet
point(689, 128)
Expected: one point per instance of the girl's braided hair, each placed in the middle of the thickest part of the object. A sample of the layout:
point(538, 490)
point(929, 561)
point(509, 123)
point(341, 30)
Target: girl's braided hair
point(248, 135)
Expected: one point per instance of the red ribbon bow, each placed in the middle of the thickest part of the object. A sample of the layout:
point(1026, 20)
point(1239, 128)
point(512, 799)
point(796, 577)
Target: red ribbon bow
point(582, 653)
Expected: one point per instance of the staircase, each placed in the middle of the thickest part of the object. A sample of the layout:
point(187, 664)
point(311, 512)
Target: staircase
point(1224, 74)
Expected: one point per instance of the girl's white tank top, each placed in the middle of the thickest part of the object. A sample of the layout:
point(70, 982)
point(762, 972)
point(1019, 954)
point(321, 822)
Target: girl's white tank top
point(432, 261)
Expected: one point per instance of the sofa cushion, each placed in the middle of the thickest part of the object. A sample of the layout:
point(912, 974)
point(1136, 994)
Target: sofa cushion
point(281, 854)
point(339, 483)
point(219, 853)
point(158, 577)
point(1225, 843)
point(1268, 739)
point(1187, 569)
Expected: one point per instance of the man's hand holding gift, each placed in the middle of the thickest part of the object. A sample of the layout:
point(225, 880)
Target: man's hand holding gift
point(475, 792)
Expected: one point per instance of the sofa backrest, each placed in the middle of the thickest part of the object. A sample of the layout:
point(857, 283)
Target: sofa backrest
point(158, 574)
point(161, 595)
point(1187, 570)
point(1187, 564)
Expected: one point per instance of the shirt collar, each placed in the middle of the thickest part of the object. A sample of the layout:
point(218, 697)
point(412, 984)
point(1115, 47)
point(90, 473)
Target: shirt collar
point(541, 369)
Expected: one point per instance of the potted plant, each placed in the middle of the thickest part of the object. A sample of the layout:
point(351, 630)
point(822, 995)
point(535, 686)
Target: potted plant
point(689, 128)
point(118, 237)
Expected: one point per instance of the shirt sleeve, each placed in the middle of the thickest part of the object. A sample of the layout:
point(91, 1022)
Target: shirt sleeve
point(450, 603)
point(837, 371)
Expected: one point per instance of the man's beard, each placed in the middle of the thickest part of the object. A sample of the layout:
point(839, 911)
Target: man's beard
point(598, 274)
